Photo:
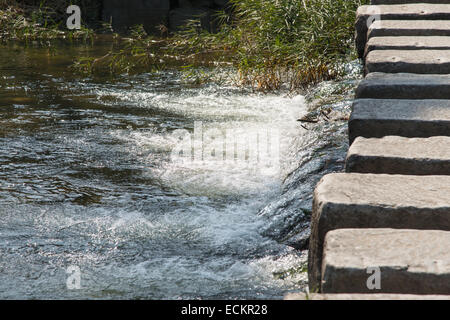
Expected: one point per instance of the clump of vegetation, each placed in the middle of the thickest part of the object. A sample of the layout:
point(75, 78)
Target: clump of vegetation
point(33, 20)
point(293, 41)
point(139, 52)
point(270, 43)
point(303, 268)
point(285, 41)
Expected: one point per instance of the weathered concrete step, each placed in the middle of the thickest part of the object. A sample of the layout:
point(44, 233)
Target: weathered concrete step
point(417, 11)
point(378, 85)
point(359, 296)
point(353, 200)
point(376, 118)
point(408, 61)
point(408, 261)
point(398, 155)
point(408, 28)
point(407, 43)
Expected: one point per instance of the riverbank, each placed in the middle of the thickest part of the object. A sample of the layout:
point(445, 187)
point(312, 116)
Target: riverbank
point(287, 43)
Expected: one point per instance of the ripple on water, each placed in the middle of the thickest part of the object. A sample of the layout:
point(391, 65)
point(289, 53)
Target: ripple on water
point(87, 179)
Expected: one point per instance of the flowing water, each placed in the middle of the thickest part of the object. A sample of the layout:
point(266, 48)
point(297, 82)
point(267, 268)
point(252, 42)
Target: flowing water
point(89, 182)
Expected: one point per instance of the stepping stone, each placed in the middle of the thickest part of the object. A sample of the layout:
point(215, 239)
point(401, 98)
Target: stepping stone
point(398, 155)
point(404, 28)
point(408, 43)
point(376, 118)
point(380, 13)
point(408, 28)
point(408, 261)
point(356, 296)
point(354, 200)
point(408, 61)
point(378, 85)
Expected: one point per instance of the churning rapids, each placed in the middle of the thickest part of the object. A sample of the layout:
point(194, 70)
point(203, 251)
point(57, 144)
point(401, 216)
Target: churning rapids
point(87, 179)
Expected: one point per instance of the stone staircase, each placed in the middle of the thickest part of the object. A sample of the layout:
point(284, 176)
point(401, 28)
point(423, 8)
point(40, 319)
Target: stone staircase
point(382, 229)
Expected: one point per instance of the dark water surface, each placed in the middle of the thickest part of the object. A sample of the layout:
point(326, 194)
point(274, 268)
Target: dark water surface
point(87, 180)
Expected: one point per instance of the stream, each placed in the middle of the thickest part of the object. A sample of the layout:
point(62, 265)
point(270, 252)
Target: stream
point(130, 185)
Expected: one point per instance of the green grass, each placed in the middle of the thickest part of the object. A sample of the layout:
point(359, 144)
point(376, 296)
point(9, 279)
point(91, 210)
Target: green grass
point(269, 43)
point(285, 41)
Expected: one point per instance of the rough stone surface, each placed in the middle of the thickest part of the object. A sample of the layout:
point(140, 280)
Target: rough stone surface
point(376, 118)
point(398, 155)
point(408, 43)
point(356, 296)
point(409, 61)
point(408, 28)
point(416, 11)
point(410, 261)
point(378, 85)
point(403, 28)
point(353, 200)
point(352, 211)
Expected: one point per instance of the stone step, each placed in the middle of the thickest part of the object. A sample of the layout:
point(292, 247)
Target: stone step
point(408, 28)
point(376, 118)
point(407, 43)
point(398, 155)
point(359, 296)
point(354, 200)
point(380, 13)
point(378, 85)
point(408, 61)
point(406, 261)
